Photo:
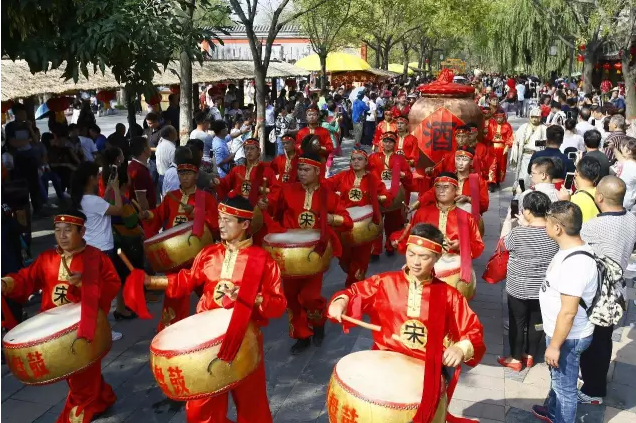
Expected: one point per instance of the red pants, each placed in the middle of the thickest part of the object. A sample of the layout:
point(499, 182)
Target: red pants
point(250, 397)
point(305, 305)
point(88, 395)
point(355, 262)
point(393, 221)
point(498, 164)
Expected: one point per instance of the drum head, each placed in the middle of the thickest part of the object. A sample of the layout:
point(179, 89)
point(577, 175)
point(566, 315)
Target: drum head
point(45, 324)
point(383, 376)
point(168, 233)
point(360, 213)
point(448, 262)
point(193, 331)
point(293, 236)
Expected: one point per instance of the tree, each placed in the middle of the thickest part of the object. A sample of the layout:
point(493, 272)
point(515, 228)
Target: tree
point(625, 35)
point(262, 49)
point(324, 25)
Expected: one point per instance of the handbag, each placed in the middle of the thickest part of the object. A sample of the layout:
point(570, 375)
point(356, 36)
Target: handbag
point(497, 266)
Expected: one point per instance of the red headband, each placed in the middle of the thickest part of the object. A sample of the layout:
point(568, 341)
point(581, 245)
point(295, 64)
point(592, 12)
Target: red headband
point(390, 135)
point(187, 167)
point(446, 179)
point(67, 218)
point(252, 141)
point(404, 118)
point(464, 153)
point(461, 131)
point(287, 137)
point(425, 243)
point(243, 214)
point(498, 113)
point(473, 129)
point(310, 162)
point(360, 152)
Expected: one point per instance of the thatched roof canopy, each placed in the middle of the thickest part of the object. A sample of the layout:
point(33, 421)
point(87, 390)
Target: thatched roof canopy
point(19, 82)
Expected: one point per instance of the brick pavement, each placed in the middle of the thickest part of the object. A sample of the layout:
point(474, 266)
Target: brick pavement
point(296, 385)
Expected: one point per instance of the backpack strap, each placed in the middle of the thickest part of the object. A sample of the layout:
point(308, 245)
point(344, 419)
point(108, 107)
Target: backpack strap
point(585, 253)
point(591, 198)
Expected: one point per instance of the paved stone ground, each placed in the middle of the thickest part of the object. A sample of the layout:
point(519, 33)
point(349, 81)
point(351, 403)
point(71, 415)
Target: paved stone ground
point(297, 385)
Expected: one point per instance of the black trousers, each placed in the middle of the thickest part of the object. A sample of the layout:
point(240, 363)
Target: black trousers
point(523, 315)
point(595, 362)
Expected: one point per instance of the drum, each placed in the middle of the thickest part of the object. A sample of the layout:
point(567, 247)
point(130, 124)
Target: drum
point(294, 252)
point(397, 201)
point(378, 387)
point(40, 350)
point(364, 230)
point(176, 247)
point(180, 356)
point(447, 269)
point(468, 208)
point(257, 220)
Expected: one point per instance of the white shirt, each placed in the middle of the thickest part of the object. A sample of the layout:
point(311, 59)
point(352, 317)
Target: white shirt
point(577, 276)
point(165, 155)
point(99, 233)
point(88, 147)
point(521, 92)
point(572, 140)
point(170, 180)
point(198, 134)
point(236, 145)
point(269, 116)
point(372, 111)
point(583, 126)
point(627, 172)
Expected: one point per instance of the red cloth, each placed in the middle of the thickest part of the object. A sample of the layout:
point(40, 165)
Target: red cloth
point(383, 127)
point(139, 179)
point(343, 182)
point(382, 165)
point(397, 111)
point(8, 321)
point(278, 166)
point(305, 305)
point(231, 184)
point(134, 295)
point(498, 138)
point(355, 262)
point(88, 396)
point(90, 293)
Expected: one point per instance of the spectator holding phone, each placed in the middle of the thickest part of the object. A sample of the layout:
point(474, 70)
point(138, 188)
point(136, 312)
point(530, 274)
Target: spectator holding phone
point(586, 176)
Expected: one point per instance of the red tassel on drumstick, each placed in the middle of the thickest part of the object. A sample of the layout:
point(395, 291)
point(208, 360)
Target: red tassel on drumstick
point(134, 295)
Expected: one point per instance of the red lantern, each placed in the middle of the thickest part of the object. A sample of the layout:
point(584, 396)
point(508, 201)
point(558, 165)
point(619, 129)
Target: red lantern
point(175, 89)
point(597, 66)
point(291, 82)
point(606, 86)
point(618, 66)
point(58, 105)
point(580, 58)
point(106, 97)
point(582, 47)
point(606, 66)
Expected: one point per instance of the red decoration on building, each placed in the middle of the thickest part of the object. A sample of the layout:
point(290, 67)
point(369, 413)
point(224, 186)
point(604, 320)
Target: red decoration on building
point(606, 86)
point(582, 47)
point(58, 105)
point(606, 66)
point(154, 100)
point(106, 97)
point(580, 58)
point(175, 89)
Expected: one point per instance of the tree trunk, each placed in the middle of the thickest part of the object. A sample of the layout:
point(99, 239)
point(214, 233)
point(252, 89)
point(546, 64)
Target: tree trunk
point(588, 66)
point(629, 73)
point(405, 57)
point(130, 97)
point(378, 55)
point(273, 94)
point(386, 51)
point(185, 99)
point(241, 93)
point(323, 70)
point(261, 90)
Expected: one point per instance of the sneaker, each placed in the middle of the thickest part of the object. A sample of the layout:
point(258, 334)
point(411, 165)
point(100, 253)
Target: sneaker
point(586, 399)
point(116, 336)
point(541, 413)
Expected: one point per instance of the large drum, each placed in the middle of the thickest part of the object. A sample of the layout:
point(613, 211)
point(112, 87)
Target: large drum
point(294, 252)
point(180, 356)
point(364, 230)
point(447, 269)
point(176, 247)
point(397, 201)
point(468, 208)
point(42, 350)
point(379, 387)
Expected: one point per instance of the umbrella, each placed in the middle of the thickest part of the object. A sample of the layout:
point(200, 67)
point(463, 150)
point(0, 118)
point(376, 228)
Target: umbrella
point(354, 94)
point(397, 68)
point(336, 62)
point(42, 111)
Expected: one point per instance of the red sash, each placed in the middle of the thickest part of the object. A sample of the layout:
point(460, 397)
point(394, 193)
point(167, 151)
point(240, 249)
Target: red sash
point(465, 258)
point(395, 175)
point(256, 186)
point(90, 294)
point(8, 321)
point(473, 180)
point(199, 213)
point(373, 193)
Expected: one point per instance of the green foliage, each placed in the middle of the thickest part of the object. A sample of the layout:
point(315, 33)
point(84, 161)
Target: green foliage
point(328, 25)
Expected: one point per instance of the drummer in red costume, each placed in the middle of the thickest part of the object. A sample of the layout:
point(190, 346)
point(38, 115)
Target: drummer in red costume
point(407, 143)
point(384, 126)
point(447, 164)
point(308, 204)
point(285, 166)
point(177, 207)
point(324, 147)
point(402, 108)
point(89, 268)
point(232, 274)
point(358, 187)
point(388, 166)
point(499, 139)
point(432, 320)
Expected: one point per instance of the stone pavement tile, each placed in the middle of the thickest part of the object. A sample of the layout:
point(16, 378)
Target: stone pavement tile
point(516, 415)
point(179, 417)
point(154, 407)
point(15, 411)
point(477, 409)
point(625, 374)
point(489, 396)
point(590, 413)
point(122, 369)
point(283, 375)
point(477, 304)
point(522, 396)
point(625, 353)
point(304, 404)
point(510, 374)
point(139, 350)
point(48, 395)
point(10, 385)
point(362, 344)
point(539, 376)
point(475, 380)
point(5, 370)
point(621, 396)
point(323, 418)
point(482, 369)
point(47, 417)
point(614, 415)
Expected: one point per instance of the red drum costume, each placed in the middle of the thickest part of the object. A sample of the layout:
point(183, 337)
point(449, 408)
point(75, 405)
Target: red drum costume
point(406, 145)
point(297, 208)
point(286, 168)
point(357, 191)
point(499, 139)
point(88, 393)
point(427, 317)
point(218, 268)
point(384, 126)
point(386, 167)
point(170, 213)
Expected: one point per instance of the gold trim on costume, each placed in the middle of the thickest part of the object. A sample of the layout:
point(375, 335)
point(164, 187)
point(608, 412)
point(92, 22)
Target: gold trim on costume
point(158, 283)
point(8, 284)
point(443, 218)
point(184, 201)
point(467, 348)
point(62, 274)
point(309, 195)
point(414, 302)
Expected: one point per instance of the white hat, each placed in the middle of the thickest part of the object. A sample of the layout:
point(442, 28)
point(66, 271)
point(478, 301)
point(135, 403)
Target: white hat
point(535, 112)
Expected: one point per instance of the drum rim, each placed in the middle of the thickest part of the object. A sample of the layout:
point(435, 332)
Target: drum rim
point(366, 216)
point(162, 235)
point(293, 244)
point(47, 338)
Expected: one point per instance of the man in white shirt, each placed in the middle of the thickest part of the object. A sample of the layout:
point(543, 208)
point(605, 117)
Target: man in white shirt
point(572, 277)
point(88, 145)
point(165, 151)
point(521, 94)
point(171, 178)
point(583, 124)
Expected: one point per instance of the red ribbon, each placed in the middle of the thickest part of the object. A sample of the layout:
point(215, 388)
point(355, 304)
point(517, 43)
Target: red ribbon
point(90, 294)
point(321, 246)
point(256, 186)
point(199, 213)
point(464, 246)
point(473, 180)
point(395, 174)
point(134, 296)
point(8, 322)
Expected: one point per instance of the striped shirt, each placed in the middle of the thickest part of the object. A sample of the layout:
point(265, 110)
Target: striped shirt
point(612, 234)
point(531, 251)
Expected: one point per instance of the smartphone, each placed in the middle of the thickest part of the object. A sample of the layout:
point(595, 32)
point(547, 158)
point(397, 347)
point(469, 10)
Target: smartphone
point(522, 185)
point(113, 172)
point(569, 181)
point(540, 143)
point(514, 208)
point(572, 155)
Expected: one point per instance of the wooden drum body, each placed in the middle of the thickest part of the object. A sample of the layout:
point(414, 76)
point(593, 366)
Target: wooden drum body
point(364, 230)
point(397, 201)
point(380, 387)
point(294, 252)
point(176, 247)
point(181, 353)
point(38, 350)
point(447, 269)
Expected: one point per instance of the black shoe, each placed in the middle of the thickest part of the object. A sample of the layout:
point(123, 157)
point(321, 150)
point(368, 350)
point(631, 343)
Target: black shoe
point(300, 346)
point(390, 253)
point(492, 187)
point(319, 335)
point(498, 185)
point(374, 258)
point(119, 316)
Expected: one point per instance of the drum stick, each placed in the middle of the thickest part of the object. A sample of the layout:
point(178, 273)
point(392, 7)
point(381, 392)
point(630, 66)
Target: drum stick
point(374, 328)
point(68, 271)
point(123, 258)
point(136, 204)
